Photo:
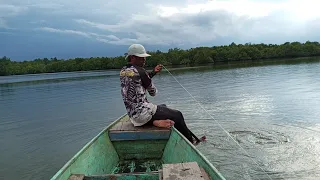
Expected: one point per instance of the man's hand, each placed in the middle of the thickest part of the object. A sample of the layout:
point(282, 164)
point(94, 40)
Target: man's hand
point(155, 70)
point(158, 68)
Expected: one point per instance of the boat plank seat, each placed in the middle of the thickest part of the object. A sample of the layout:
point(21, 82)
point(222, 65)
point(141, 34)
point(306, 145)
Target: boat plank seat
point(125, 130)
point(145, 175)
point(185, 171)
point(76, 177)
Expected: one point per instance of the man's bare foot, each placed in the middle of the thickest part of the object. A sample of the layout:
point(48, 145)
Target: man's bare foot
point(163, 123)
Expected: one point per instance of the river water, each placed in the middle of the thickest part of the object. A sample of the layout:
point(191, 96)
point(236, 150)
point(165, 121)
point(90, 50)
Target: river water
point(262, 121)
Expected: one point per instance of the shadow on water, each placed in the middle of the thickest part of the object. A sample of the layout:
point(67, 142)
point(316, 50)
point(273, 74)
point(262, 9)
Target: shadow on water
point(55, 80)
point(64, 76)
point(6, 90)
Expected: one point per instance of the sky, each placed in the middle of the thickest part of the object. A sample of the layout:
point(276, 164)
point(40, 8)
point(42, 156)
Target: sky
point(68, 29)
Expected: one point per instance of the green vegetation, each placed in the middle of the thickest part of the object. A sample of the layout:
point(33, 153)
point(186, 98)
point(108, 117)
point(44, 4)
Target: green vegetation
point(174, 57)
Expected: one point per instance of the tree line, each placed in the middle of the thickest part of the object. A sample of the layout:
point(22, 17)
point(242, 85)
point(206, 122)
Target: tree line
point(190, 57)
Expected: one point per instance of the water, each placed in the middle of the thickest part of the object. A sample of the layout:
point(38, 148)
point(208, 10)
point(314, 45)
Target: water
point(271, 111)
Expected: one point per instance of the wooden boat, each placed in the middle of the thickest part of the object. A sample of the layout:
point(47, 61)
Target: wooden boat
point(122, 151)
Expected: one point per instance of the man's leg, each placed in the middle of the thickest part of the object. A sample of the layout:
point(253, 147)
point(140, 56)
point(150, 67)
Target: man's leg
point(163, 123)
point(166, 113)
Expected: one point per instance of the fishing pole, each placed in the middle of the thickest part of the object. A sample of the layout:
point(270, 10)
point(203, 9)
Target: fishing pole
point(198, 140)
point(216, 122)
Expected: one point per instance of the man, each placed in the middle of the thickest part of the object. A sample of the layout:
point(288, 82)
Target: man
point(135, 82)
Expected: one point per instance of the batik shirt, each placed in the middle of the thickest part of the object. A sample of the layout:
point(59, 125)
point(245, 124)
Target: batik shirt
point(135, 82)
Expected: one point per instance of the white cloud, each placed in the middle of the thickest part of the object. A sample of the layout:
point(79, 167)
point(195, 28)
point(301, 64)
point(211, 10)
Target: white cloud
point(183, 22)
point(7, 33)
point(46, 5)
point(64, 31)
point(111, 39)
point(293, 9)
point(38, 21)
point(197, 23)
point(7, 10)
point(123, 41)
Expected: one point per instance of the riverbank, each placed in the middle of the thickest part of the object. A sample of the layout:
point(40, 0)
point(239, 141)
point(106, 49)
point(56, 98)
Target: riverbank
point(246, 63)
point(199, 56)
point(80, 75)
point(178, 68)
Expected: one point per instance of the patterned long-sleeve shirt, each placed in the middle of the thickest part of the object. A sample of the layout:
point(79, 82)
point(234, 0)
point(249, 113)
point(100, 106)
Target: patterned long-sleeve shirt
point(135, 82)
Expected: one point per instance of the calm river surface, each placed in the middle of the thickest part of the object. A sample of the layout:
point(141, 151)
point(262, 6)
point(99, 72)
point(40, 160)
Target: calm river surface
point(271, 111)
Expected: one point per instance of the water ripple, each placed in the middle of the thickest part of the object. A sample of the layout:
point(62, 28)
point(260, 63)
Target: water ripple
point(271, 111)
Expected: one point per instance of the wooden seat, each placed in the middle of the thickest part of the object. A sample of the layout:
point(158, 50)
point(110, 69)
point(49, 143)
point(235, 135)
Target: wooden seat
point(124, 130)
point(145, 175)
point(185, 171)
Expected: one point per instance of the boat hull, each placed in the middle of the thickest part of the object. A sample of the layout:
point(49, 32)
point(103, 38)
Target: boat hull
point(122, 151)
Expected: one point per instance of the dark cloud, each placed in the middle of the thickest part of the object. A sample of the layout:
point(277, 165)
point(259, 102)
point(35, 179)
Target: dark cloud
point(111, 24)
point(202, 27)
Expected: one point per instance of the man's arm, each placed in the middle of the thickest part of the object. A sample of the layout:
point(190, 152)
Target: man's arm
point(147, 82)
point(152, 73)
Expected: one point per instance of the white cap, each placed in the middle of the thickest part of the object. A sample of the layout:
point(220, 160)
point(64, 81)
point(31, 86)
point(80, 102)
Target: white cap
point(137, 50)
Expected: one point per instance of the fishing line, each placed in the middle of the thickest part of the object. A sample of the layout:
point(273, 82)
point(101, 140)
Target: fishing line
point(217, 122)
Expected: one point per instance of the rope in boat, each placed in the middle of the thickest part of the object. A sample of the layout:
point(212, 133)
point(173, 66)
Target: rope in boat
point(218, 123)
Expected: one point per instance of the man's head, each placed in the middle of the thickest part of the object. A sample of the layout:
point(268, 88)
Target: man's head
point(137, 55)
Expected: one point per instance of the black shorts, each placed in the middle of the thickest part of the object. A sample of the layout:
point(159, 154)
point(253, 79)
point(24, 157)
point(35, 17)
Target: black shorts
point(163, 113)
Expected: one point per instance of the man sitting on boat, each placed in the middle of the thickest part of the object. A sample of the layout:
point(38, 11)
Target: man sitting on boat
point(135, 81)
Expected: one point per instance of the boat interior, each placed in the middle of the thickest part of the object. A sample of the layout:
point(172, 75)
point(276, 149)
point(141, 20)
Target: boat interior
point(123, 151)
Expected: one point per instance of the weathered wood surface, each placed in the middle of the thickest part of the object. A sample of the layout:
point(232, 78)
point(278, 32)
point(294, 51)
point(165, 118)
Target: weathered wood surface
point(154, 175)
point(125, 130)
point(76, 177)
point(183, 171)
point(160, 174)
point(117, 127)
point(128, 126)
point(204, 174)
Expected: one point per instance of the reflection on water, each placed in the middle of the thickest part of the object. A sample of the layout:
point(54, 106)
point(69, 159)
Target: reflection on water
point(272, 112)
point(54, 77)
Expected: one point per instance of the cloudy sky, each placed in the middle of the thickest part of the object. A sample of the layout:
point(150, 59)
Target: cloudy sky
point(77, 28)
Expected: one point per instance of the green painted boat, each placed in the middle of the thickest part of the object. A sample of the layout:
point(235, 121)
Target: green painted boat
point(122, 151)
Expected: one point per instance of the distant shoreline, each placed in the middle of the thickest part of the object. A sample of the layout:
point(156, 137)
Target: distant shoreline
point(221, 64)
point(173, 59)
